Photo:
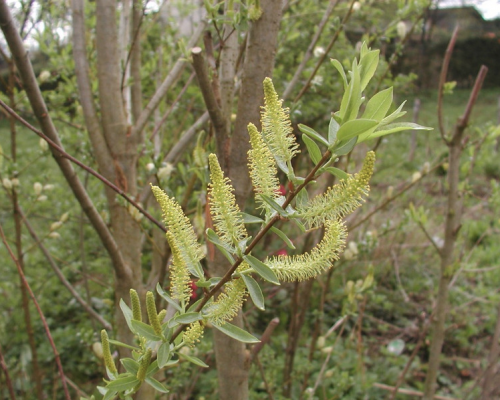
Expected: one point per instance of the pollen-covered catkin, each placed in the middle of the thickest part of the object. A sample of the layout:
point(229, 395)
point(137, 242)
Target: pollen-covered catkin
point(341, 199)
point(223, 208)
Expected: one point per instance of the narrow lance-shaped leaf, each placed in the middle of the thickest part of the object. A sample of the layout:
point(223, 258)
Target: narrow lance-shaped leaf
point(237, 333)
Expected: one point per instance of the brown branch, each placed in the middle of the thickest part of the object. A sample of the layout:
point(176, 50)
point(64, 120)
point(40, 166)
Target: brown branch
point(228, 275)
point(442, 81)
point(64, 154)
point(323, 57)
point(213, 108)
point(32, 90)
point(169, 80)
point(40, 313)
point(62, 278)
point(409, 392)
point(266, 336)
point(310, 49)
point(8, 381)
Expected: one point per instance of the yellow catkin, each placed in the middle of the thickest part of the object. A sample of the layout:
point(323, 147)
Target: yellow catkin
point(152, 313)
point(193, 334)
point(276, 126)
point(223, 208)
point(180, 281)
point(136, 305)
point(341, 199)
point(228, 303)
point(106, 353)
point(144, 364)
point(262, 167)
point(308, 265)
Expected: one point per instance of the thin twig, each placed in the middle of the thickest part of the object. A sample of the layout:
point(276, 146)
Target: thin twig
point(266, 336)
point(410, 392)
point(87, 307)
point(442, 81)
point(8, 381)
point(64, 154)
point(322, 58)
point(40, 313)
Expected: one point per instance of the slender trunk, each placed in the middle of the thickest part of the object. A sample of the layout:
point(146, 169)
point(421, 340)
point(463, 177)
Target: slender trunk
point(37, 374)
point(452, 226)
point(490, 382)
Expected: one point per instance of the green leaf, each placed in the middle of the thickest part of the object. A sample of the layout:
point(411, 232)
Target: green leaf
point(299, 224)
point(337, 172)
point(130, 365)
point(275, 206)
point(160, 387)
point(251, 219)
point(127, 346)
point(397, 127)
point(212, 237)
point(127, 313)
point(333, 128)
point(351, 100)
point(189, 317)
point(236, 333)
point(109, 395)
point(302, 198)
point(163, 354)
point(255, 291)
point(355, 128)
point(395, 115)
point(340, 68)
point(368, 65)
point(313, 149)
point(313, 134)
point(122, 384)
point(344, 147)
point(145, 330)
point(262, 269)
point(283, 237)
point(167, 298)
point(153, 368)
point(378, 105)
point(193, 360)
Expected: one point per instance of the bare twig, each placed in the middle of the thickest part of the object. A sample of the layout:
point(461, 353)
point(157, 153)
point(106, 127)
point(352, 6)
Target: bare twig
point(40, 313)
point(62, 278)
point(410, 392)
point(8, 381)
point(68, 156)
point(310, 49)
point(327, 50)
point(266, 336)
point(442, 81)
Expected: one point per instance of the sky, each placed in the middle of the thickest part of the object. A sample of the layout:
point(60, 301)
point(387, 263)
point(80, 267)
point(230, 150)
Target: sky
point(490, 9)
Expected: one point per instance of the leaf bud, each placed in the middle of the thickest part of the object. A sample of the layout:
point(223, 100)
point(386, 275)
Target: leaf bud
point(44, 76)
point(49, 186)
point(166, 171)
point(320, 343)
point(55, 226)
point(7, 183)
point(390, 191)
point(426, 168)
point(37, 187)
point(42, 198)
point(97, 349)
point(401, 29)
point(54, 235)
point(15, 182)
point(150, 166)
point(416, 176)
point(43, 144)
point(64, 217)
